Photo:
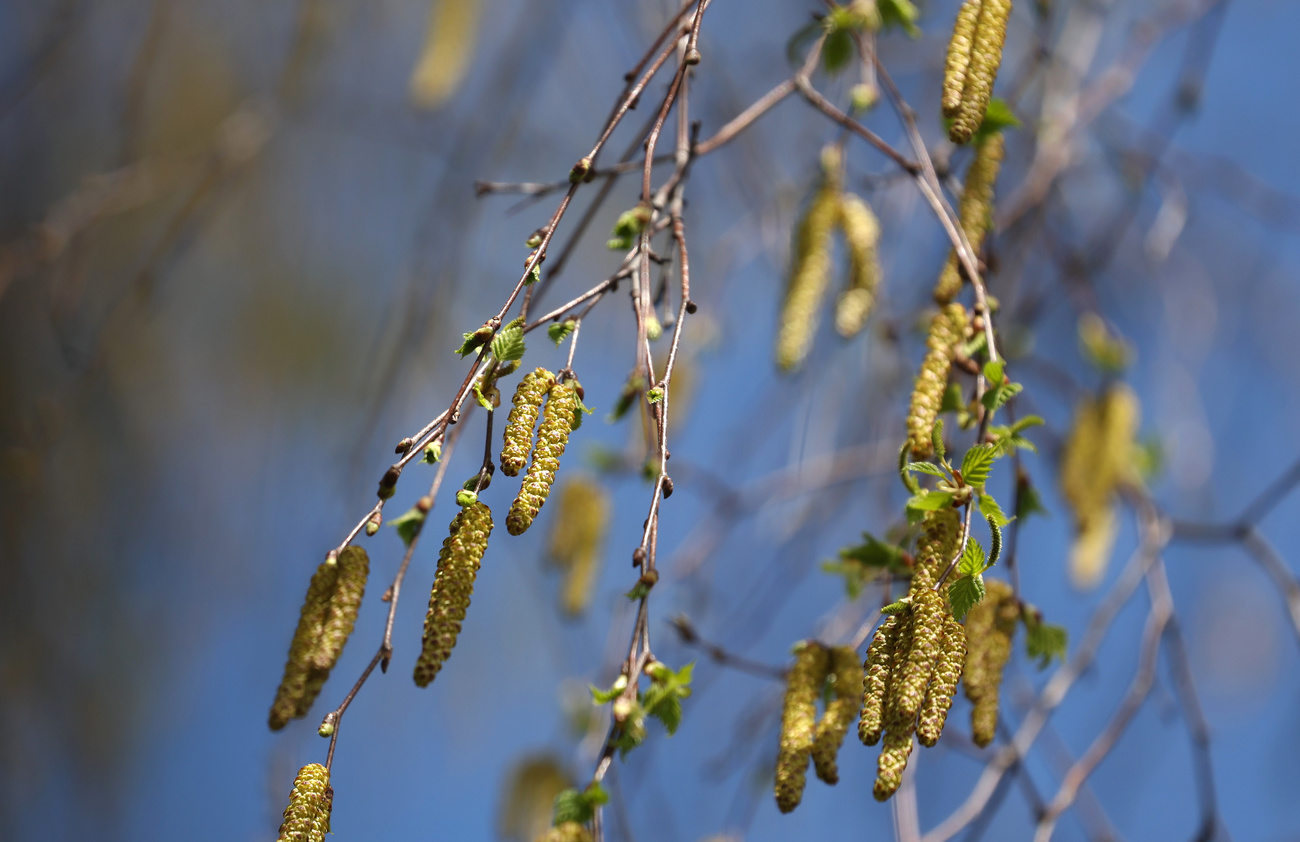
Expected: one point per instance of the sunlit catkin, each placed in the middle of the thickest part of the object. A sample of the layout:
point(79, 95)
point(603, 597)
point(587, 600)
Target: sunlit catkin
point(566, 832)
point(810, 270)
point(798, 722)
point(947, 329)
point(908, 689)
point(453, 584)
point(875, 681)
point(990, 626)
point(527, 405)
point(943, 684)
point(959, 53)
point(935, 549)
point(577, 539)
point(345, 602)
point(976, 211)
point(982, 70)
point(890, 765)
point(302, 680)
point(307, 818)
point(861, 236)
point(527, 803)
point(552, 438)
point(835, 721)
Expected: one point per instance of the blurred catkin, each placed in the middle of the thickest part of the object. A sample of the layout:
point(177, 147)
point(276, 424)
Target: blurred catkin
point(518, 435)
point(875, 680)
point(890, 765)
point(943, 684)
point(834, 724)
point(448, 48)
point(529, 798)
point(307, 818)
point(976, 210)
point(861, 236)
point(947, 329)
point(990, 626)
point(798, 722)
point(982, 69)
point(566, 832)
point(576, 540)
point(958, 60)
point(810, 269)
point(552, 438)
point(453, 584)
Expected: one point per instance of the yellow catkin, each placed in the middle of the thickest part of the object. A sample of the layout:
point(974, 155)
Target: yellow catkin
point(834, 724)
point(517, 441)
point(798, 722)
point(909, 688)
point(566, 832)
point(552, 438)
point(943, 684)
point(809, 272)
point(976, 211)
point(1096, 460)
point(453, 584)
point(947, 329)
point(958, 60)
point(529, 798)
point(447, 51)
point(875, 680)
point(861, 237)
point(349, 588)
point(990, 626)
point(935, 549)
point(577, 539)
point(982, 71)
point(307, 818)
point(893, 761)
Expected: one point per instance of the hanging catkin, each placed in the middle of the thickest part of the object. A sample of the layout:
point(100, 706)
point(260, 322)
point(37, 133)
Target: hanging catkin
point(909, 687)
point(453, 584)
point(875, 680)
point(809, 269)
point(861, 236)
point(947, 329)
point(341, 616)
point(566, 832)
point(990, 626)
point(974, 56)
point(307, 818)
point(798, 722)
point(552, 438)
point(518, 435)
point(834, 724)
point(577, 538)
point(943, 684)
point(976, 211)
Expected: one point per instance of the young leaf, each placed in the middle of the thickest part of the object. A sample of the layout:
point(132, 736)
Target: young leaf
point(972, 559)
point(580, 410)
point(990, 509)
point(909, 481)
point(1028, 502)
point(474, 341)
point(508, 344)
point(604, 697)
point(929, 501)
point(996, 397)
point(936, 436)
point(965, 594)
point(977, 463)
point(837, 51)
point(993, 373)
point(574, 806)
point(900, 13)
point(560, 331)
point(1045, 642)
point(953, 400)
point(926, 468)
point(408, 525)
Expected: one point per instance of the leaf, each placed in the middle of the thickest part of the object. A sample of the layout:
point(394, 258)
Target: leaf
point(560, 331)
point(1044, 642)
point(1025, 423)
point(864, 562)
point(408, 525)
point(965, 594)
point(929, 501)
point(990, 509)
point(997, 397)
point(926, 468)
point(997, 116)
point(639, 591)
point(508, 344)
point(900, 13)
point(474, 341)
point(977, 463)
point(837, 51)
point(993, 373)
point(953, 400)
point(631, 390)
point(667, 710)
point(535, 275)
point(574, 806)
point(654, 395)
point(797, 47)
point(580, 409)
point(604, 697)
point(972, 559)
point(936, 437)
point(482, 399)
point(1028, 502)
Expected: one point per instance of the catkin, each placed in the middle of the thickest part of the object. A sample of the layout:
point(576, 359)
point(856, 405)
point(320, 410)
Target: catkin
point(908, 690)
point(566, 832)
point(875, 680)
point(947, 329)
point(834, 724)
point(809, 276)
point(935, 549)
point(943, 684)
point(552, 437)
point(453, 584)
point(892, 762)
point(349, 588)
point(861, 236)
point(975, 210)
point(959, 53)
point(798, 722)
point(990, 626)
point(518, 435)
point(577, 538)
point(528, 802)
point(307, 818)
point(990, 32)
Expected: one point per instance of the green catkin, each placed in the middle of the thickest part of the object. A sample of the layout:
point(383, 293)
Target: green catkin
point(349, 588)
point(566, 832)
point(943, 684)
point(527, 404)
point(861, 236)
point(577, 538)
point(908, 692)
point(875, 680)
point(453, 584)
point(809, 272)
point(959, 53)
point(947, 329)
point(935, 549)
point(990, 626)
point(798, 722)
point(834, 724)
point(982, 71)
point(302, 681)
point(976, 211)
point(552, 438)
point(307, 818)
point(892, 762)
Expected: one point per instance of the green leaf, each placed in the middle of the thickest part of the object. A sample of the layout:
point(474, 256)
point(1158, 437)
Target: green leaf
point(936, 438)
point(631, 391)
point(993, 373)
point(508, 344)
point(560, 331)
point(474, 341)
point(433, 453)
point(928, 501)
point(972, 559)
point(900, 13)
point(1025, 423)
point(408, 525)
point(1028, 502)
point(997, 397)
point(797, 47)
point(668, 710)
point(926, 468)
point(482, 399)
point(580, 409)
point(977, 463)
point(654, 395)
point(837, 51)
point(990, 509)
point(628, 227)
point(953, 399)
point(535, 275)
point(1044, 642)
point(580, 807)
point(965, 594)
point(639, 591)
point(997, 116)
point(604, 697)
point(864, 562)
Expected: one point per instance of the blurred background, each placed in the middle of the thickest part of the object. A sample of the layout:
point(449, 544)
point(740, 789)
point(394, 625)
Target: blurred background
point(239, 242)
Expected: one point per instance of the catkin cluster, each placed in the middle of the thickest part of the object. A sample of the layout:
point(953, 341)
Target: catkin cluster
point(307, 818)
point(328, 615)
point(526, 406)
point(976, 210)
point(914, 661)
point(1096, 460)
point(577, 538)
point(566, 832)
point(552, 438)
point(990, 626)
point(861, 236)
point(453, 584)
point(947, 330)
point(974, 56)
point(803, 735)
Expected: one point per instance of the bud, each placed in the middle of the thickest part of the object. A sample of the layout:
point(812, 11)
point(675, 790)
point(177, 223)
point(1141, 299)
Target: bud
point(453, 584)
point(518, 436)
point(552, 438)
point(947, 329)
point(798, 719)
point(580, 170)
point(465, 497)
point(307, 818)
